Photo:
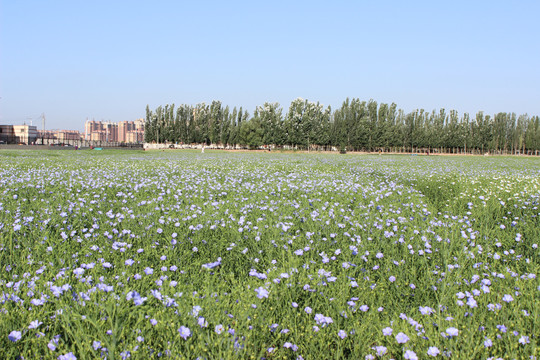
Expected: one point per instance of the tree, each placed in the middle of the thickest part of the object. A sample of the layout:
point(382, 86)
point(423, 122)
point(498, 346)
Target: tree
point(270, 118)
point(298, 122)
point(252, 133)
point(226, 127)
point(149, 124)
point(356, 125)
point(372, 124)
point(215, 118)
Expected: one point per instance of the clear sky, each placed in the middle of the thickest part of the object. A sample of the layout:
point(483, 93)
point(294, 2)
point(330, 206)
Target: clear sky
point(106, 60)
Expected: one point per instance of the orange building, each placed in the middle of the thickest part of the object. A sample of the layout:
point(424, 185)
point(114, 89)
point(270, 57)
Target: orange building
point(18, 134)
point(123, 131)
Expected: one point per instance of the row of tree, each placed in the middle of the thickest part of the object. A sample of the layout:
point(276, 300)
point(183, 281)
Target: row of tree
point(356, 125)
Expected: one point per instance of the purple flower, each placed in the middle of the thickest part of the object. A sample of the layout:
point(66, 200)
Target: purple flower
point(291, 346)
point(202, 322)
point(488, 343)
point(195, 311)
point(34, 324)
point(380, 350)
point(524, 340)
point(392, 278)
point(130, 262)
point(507, 298)
point(342, 334)
point(68, 356)
point(261, 292)
point(401, 338)
point(156, 294)
point(153, 322)
point(433, 351)
point(426, 310)
point(212, 264)
point(184, 332)
point(323, 320)
point(472, 302)
point(53, 343)
point(387, 331)
point(15, 336)
point(307, 310)
point(410, 355)
point(96, 345)
point(219, 329)
point(452, 331)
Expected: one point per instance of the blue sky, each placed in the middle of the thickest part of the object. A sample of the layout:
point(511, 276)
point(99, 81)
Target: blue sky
point(106, 60)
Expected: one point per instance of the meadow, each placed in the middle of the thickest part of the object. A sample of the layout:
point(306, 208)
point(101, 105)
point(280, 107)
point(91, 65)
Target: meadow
point(178, 254)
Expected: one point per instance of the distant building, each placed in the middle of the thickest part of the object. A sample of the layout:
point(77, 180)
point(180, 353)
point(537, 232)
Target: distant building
point(100, 131)
point(65, 136)
point(131, 131)
point(123, 131)
point(46, 135)
point(58, 136)
point(18, 134)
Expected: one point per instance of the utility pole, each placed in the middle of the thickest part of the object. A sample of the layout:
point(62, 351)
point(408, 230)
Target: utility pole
point(42, 127)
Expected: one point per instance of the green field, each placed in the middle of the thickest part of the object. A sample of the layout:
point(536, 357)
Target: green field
point(178, 254)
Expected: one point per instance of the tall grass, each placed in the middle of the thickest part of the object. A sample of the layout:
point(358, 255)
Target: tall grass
point(217, 255)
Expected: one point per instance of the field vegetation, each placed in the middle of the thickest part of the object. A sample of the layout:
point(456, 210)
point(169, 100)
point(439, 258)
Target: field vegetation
point(265, 255)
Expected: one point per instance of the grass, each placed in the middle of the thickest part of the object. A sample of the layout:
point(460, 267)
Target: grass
point(267, 255)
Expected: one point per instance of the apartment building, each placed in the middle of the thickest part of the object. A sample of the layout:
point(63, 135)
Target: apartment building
point(18, 134)
point(58, 136)
point(123, 131)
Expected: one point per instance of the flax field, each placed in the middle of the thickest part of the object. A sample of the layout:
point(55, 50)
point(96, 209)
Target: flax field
point(251, 255)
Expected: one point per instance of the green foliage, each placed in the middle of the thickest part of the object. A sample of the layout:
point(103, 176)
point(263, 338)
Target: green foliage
point(418, 244)
point(251, 134)
point(356, 125)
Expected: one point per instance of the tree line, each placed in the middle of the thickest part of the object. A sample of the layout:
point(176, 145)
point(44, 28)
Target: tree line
point(356, 126)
